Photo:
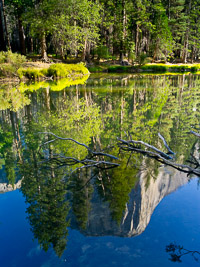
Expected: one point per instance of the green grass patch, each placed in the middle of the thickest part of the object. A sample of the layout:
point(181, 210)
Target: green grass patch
point(30, 73)
point(154, 68)
point(96, 69)
point(120, 68)
point(61, 70)
point(58, 70)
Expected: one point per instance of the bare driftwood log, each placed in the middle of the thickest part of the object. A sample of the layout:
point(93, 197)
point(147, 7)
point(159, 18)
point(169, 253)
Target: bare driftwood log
point(61, 160)
point(196, 134)
point(159, 155)
point(131, 145)
point(165, 144)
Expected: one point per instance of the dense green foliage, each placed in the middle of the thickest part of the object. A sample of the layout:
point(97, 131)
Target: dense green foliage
point(116, 29)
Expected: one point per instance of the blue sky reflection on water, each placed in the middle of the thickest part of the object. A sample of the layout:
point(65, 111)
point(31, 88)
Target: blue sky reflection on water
point(175, 219)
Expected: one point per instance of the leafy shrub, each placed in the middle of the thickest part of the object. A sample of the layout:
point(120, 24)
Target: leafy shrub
point(10, 63)
point(142, 59)
point(7, 70)
point(102, 52)
point(2, 57)
point(12, 58)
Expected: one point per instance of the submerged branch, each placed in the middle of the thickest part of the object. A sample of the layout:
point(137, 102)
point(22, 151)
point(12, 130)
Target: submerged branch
point(81, 144)
point(165, 144)
point(196, 134)
point(58, 160)
point(131, 143)
point(156, 154)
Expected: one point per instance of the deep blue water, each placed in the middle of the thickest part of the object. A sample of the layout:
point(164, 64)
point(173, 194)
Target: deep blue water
point(175, 219)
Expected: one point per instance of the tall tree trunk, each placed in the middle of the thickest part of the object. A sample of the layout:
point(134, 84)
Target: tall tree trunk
point(43, 47)
point(137, 41)
point(31, 44)
point(21, 36)
point(123, 31)
point(5, 25)
point(185, 48)
point(86, 51)
point(2, 40)
point(186, 40)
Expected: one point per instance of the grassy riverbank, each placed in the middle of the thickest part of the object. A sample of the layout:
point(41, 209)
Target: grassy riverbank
point(13, 65)
point(16, 66)
point(147, 68)
point(58, 70)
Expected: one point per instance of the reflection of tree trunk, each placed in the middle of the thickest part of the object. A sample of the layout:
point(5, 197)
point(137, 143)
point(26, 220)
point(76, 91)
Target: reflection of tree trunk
point(122, 113)
point(5, 25)
point(134, 100)
point(47, 98)
point(2, 40)
point(21, 36)
point(16, 133)
point(77, 98)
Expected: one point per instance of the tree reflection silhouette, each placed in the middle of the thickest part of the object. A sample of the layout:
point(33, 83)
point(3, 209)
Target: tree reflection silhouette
point(45, 193)
point(176, 252)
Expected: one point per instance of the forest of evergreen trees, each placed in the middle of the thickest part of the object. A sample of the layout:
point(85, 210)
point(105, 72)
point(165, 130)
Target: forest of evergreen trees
point(167, 30)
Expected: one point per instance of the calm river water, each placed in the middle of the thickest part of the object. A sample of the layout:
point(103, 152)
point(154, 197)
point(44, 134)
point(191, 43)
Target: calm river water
point(62, 205)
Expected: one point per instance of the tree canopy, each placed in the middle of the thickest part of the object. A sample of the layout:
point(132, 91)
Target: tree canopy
point(159, 29)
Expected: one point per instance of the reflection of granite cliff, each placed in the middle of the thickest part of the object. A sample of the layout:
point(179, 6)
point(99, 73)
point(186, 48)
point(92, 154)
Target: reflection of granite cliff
point(5, 187)
point(143, 201)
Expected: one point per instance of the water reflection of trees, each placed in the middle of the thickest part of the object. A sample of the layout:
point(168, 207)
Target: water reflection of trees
point(178, 252)
point(45, 192)
point(96, 117)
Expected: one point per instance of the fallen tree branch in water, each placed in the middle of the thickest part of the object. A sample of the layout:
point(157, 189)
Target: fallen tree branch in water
point(81, 144)
point(159, 155)
point(196, 134)
point(58, 160)
point(165, 143)
point(130, 142)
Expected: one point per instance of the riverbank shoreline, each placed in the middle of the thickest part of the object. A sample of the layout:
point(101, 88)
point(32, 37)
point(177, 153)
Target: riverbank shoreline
point(38, 70)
